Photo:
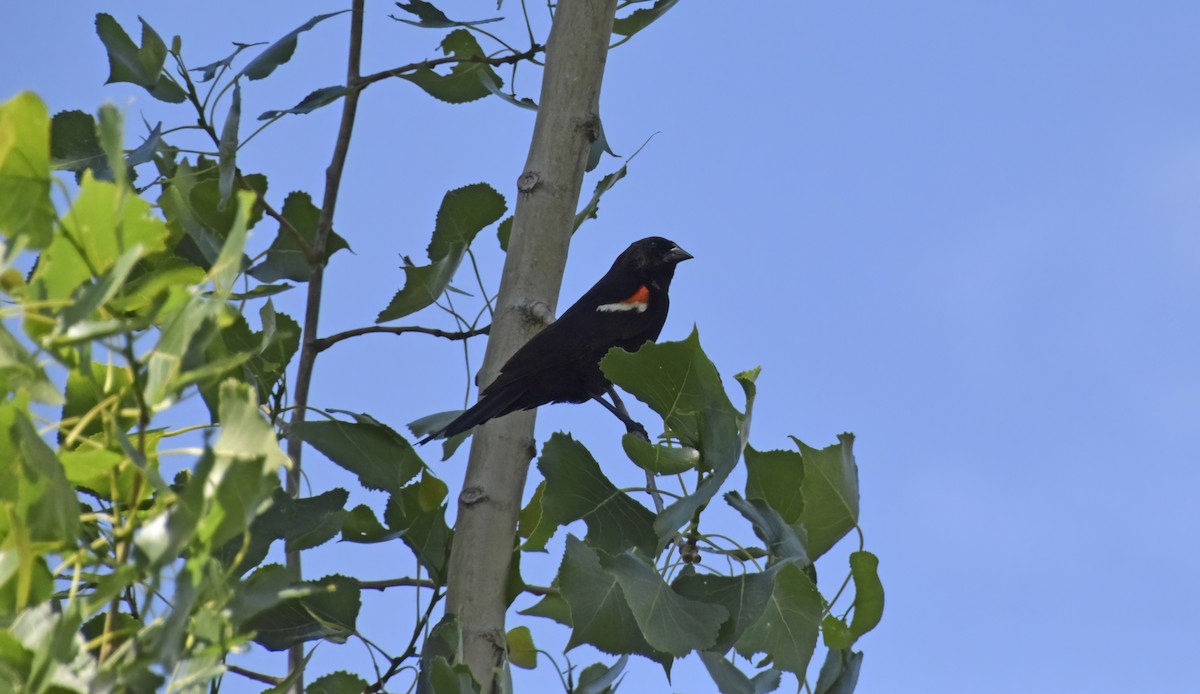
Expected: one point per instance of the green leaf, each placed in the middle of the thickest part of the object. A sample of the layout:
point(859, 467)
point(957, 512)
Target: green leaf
point(744, 597)
point(210, 71)
point(777, 478)
point(504, 231)
point(463, 214)
point(679, 382)
point(868, 592)
point(552, 607)
point(640, 19)
point(144, 152)
point(451, 679)
point(784, 543)
point(227, 146)
point(599, 147)
point(142, 65)
point(265, 588)
point(601, 679)
point(521, 651)
point(315, 100)
point(228, 265)
point(600, 614)
point(577, 489)
point(787, 629)
point(88, 385)
point(605, 184)
point(425, 532)
point(102, 225)
point(25, 208)
point(361, 525)
point(730, 680)
point(92, 298)
point(192, 205)
point(839, 673)
point(491, 83)
point(300, 523)
point(534, 525)
point(325, 609)
point(431, 17)
point(20, 369)
point(463, 83)
point(286, 259)
point(377, 455)
point(340, 682)
point(245, 467)
point(281, 51)
point(110, 131)
point(830, 490)
point(836, 633)
point(660, 460)
point(74, 146)
point(36, 483)
point(669, 621)
point(436, 422)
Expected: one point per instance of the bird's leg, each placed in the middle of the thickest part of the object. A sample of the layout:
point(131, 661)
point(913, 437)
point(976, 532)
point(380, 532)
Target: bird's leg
point(618, 408)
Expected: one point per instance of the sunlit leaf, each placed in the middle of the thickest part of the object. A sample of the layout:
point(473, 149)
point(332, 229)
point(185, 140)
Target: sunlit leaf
point(25, 208)
point(521, 651)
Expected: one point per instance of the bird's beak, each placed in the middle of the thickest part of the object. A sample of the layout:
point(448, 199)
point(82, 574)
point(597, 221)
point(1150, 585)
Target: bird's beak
point(678, 255)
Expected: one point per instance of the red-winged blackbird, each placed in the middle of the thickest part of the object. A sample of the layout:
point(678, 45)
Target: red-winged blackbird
point(625, 309)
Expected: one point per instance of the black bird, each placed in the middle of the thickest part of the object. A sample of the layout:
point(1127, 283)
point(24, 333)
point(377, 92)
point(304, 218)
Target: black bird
point(625, 309)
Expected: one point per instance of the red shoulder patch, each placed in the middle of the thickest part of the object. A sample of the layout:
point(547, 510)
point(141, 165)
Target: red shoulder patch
point(641, 296)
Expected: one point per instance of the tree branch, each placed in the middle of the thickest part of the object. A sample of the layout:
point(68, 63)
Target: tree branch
point(448, 60)
point(547, 196)
point(323, 343)
point(316, 282)
point(407, 582)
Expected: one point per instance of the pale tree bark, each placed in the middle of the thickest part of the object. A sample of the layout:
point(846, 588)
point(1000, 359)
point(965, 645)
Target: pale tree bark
point(548, 194)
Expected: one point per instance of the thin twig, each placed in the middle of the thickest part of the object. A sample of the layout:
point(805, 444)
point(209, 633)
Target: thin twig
point(316, 282)
point(323, 343)
point(250, 674)
point(407, 582)
point(449, 60)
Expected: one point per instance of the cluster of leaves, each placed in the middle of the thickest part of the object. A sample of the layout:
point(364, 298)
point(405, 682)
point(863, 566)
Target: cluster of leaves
point(113, 576)
point(636, 583)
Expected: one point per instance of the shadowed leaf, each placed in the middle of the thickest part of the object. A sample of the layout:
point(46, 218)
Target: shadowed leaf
point(576, 488)
point(281, 51)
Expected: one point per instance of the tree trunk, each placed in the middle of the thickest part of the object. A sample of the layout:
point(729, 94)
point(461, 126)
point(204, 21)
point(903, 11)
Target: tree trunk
point(548, 194)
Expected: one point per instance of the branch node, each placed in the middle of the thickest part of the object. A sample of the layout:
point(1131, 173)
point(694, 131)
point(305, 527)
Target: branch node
point(528, 181)
point(591, 127)
point(472, 495)
point(537, 313)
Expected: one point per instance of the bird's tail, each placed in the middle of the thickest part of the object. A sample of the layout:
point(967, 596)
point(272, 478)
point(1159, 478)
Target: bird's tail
point(490, 406)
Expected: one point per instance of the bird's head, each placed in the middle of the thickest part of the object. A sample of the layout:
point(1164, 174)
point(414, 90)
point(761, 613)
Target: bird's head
point(653, 259)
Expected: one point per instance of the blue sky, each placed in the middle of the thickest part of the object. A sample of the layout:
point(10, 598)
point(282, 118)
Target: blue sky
point(967, 232)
